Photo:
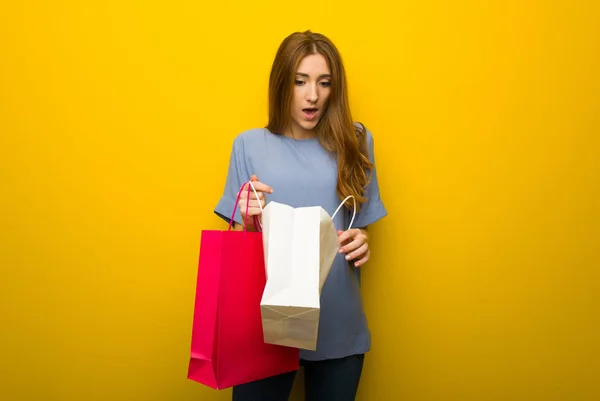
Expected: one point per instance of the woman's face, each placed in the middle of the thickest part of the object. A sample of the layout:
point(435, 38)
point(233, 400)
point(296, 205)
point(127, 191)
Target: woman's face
point(311, 92)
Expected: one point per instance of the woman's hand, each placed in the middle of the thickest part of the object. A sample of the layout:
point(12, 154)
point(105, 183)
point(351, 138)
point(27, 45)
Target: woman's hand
point(355, 244)
point(254, 203)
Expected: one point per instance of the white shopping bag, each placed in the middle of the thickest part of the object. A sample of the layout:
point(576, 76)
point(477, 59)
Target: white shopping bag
point(300, 245)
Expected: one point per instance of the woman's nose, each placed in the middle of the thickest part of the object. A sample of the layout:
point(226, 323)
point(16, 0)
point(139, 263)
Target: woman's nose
point(312, 94)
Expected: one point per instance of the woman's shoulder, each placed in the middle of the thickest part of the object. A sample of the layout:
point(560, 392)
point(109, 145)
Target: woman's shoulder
point(251, 137)
point(251, 134)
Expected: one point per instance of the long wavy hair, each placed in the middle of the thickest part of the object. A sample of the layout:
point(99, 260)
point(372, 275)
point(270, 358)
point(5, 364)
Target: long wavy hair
point(336, 130)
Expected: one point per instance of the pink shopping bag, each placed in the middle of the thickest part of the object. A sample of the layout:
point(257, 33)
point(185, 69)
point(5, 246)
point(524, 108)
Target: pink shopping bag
point(227, 346)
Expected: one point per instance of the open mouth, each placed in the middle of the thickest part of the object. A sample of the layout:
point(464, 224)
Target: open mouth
point(310, 112)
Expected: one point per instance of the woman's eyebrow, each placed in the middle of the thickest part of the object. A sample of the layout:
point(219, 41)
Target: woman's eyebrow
point(302, 74)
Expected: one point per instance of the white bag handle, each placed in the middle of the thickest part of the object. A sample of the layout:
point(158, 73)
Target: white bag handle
point(332, 217)
point(342, 204)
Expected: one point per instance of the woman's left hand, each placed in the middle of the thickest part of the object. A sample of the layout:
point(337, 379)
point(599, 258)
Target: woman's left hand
point(355, 244)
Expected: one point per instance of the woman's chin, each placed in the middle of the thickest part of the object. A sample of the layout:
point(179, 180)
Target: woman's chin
point(309, 125)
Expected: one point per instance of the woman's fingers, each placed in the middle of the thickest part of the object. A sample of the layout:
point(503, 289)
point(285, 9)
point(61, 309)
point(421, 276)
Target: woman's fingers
point(259, 187)
point(252, 196)
point(254, 206)
point(253, 211)
point(358, 252)
point(261, 195)
point(364, 259)
point(253, 199)
point(349, 244)
point(256, 203)
point(349, 235)
point(355, 244)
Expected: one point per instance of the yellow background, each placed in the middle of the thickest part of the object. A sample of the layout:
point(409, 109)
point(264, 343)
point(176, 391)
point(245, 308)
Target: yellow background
point(116, 123)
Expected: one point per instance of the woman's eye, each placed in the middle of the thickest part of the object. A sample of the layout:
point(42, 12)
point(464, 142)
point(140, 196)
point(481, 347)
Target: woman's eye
point(326, 83)
point(299, 82)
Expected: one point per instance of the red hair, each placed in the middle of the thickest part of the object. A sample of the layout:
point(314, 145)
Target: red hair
point(336, 129)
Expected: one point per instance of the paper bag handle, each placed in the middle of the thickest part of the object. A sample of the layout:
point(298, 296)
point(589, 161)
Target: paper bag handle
point(256, 221)
point(342, 204)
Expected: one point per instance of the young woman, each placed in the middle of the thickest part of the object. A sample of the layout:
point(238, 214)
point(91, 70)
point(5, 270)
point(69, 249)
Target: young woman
point(311, 153)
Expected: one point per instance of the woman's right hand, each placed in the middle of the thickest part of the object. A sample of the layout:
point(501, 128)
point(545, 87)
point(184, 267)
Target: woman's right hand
point(254, 203)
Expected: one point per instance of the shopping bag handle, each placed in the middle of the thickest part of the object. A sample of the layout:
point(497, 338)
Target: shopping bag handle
point(256, 221)
point(342, 204)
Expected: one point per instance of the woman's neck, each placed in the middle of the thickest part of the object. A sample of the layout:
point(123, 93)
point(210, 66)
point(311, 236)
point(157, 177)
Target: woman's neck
point(299, 133)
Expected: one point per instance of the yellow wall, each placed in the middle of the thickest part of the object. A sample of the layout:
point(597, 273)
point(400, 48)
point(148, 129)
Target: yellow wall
point(116, 121)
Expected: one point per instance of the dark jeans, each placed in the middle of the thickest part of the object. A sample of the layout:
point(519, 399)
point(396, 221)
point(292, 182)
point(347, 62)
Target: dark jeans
point(329, 380)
